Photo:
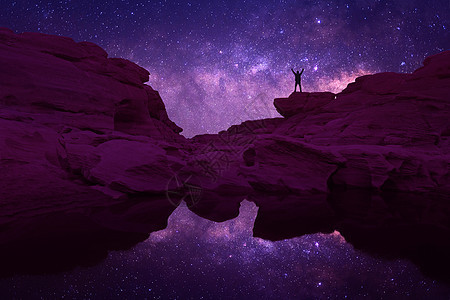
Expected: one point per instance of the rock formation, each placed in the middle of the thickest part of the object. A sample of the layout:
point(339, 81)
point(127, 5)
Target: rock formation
point(302, 103)
point(84, 139)
point(386, 131)
point(78, 131)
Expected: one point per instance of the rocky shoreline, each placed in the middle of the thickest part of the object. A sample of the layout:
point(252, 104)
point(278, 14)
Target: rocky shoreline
point(87, 146)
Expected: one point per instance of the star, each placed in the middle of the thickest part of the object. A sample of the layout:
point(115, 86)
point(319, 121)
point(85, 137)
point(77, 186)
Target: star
point(202, 56)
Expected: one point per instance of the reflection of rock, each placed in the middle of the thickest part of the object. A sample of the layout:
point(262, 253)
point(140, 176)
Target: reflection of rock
point(287, 216)
point(82, 135)
point(54, 242)
point(399, 225)
point(218, 207)
point(183, 187)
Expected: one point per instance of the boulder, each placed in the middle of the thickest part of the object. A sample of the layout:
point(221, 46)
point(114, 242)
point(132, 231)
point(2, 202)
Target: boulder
point(86, 144)
point(386, 131)
point(71, 84)
point(79, 133)
point(298, 102)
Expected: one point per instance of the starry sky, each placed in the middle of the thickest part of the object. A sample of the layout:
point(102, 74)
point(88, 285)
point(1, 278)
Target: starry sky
point(226, 262)
point(217, 63)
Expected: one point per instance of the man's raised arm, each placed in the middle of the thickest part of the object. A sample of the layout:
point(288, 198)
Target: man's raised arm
point(292, 71)
point(302, 71)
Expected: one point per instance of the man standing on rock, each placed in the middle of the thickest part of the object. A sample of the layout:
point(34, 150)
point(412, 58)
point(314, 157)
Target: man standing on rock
point(298, 79)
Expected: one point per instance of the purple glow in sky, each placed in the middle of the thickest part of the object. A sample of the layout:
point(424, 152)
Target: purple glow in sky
point(217, 63)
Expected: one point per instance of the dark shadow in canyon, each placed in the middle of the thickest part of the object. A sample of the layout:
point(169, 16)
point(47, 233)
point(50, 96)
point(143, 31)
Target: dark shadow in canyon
point(60, 241)
point(397, 225)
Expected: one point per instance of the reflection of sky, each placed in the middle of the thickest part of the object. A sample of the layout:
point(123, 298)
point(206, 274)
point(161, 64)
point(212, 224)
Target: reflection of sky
point(200, 259)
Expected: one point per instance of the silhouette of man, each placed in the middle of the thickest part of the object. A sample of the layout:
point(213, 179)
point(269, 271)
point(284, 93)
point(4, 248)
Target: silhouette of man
point(298, 79)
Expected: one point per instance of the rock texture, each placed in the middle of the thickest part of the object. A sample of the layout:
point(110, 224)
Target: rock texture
point(77, 85)
point(67, 106)
point(83, 139)
point(386, 131)
point(79, 133)
point(299, 102)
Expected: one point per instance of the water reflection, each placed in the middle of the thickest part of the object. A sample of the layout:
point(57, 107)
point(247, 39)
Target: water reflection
point(197, 258)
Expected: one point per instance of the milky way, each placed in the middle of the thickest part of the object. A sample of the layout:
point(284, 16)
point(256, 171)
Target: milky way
point(217, 64)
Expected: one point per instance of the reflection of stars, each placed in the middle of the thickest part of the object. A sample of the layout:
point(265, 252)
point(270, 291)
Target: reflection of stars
point(195, 258)
point(227, 252)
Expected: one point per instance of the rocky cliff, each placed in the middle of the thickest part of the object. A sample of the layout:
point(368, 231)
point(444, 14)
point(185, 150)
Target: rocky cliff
point(385, 131)
point(85, 143)
point(78, 130)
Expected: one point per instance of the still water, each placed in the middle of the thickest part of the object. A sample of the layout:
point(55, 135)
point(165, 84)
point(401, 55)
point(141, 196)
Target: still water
point(194, 258)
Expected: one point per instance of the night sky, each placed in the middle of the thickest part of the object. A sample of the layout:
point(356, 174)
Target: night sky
point(217, 63)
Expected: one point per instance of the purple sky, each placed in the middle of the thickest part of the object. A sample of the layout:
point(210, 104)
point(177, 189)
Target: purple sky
point(217, 63)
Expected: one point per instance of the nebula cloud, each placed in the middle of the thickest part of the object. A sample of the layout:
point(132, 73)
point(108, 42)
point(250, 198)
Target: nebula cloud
point(216, 64)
